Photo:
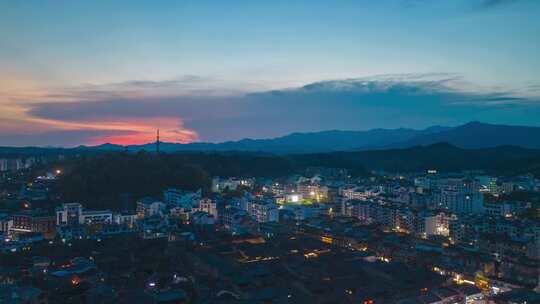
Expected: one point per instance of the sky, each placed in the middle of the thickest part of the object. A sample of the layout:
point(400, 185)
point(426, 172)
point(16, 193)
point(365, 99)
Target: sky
point(92, 72)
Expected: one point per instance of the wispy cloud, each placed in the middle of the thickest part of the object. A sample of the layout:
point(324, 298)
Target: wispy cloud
point(133, 124)
point(493, 3)
point(475, 4)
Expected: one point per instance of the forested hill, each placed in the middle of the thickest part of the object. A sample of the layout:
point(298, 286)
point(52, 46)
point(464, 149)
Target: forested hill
point(100, 179)
point(440, 156)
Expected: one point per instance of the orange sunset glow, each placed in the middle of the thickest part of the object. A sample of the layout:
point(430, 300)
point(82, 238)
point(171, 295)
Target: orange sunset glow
point(20, 96)
point(134, 132)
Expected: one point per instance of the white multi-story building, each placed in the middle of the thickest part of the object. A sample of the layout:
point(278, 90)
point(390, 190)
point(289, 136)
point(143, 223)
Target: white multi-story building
point(11, 164)
point(3, 164)
point(74, 214)
point(6, 222)
point(359, 209)
point(220, 184)
point(277, 189)
point(125, 219)
point(462, 202)
point(176, 197)
point(209, 206)
point(506, 208)
point(353, 193)
point(313, 191)
point(429, 223)
point(263, 212)
point(294, 198)
point(96, 217)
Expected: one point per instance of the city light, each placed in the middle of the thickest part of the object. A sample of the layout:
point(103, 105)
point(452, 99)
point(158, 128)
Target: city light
point(75, 280)
point(260, 151)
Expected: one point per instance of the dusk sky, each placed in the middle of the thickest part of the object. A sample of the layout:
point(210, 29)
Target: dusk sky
point(91, 72)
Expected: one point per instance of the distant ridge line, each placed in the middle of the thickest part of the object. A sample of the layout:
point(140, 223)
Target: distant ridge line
point(471, 135)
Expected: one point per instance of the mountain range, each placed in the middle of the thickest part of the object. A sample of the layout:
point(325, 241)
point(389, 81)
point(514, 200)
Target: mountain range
point(473, 135)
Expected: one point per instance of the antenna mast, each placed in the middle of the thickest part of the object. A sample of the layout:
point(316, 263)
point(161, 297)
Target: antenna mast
point(157, 142)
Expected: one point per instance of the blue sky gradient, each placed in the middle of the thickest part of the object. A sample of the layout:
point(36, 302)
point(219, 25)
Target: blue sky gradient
point(59, 55)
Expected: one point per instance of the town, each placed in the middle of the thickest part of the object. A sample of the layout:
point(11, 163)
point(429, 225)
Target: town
point(270, 152)
point(317, 236)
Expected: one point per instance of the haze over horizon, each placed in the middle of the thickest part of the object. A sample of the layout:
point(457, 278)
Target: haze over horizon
point(113, 72)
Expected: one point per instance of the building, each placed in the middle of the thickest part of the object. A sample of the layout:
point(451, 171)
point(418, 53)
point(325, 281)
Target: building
point(387, 214)
point(209, 206)
point(72, 214)
point(232, 183)
point(125, 219)
point(507, 187)
point(294, 198)
point(506, 208)
point(69, 214)
point(180, 198)
point(359, 193)
point(313, 192)
point(278, 189)
point(11, 164)
point(96, 217)
point(182, 204)
point(431, 223)
point(263, 211)
point(237, 221)
point(3, 164)
point(353, 193)
point(203, 218)
point(147, 207)
point(72, 232)
point(423, 182)
point(6, 222)
point(488, 184)
point(359, 209)
point(461, 202)
point(302, 213)
point(33, 221)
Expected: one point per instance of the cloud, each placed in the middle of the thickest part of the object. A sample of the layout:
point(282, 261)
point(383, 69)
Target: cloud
point(475, 4)
point(493, 3)
point(389, 101)
point(182, 86)
point(17, 106)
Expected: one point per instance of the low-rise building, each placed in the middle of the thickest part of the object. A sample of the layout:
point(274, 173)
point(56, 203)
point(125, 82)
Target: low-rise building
point(33, 221)
point(74, 214)
point(147, 207)
point(232, 183)
point(263, 211)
